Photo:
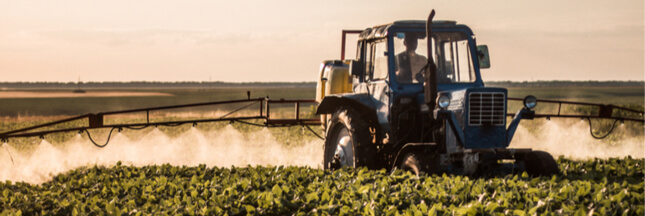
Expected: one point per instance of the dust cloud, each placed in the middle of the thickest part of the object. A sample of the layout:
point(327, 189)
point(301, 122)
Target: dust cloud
point(228, 147)
point(222, 148)
point(571, 139)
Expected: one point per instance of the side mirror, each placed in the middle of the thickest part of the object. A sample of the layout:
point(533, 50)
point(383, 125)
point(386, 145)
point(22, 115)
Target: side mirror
point(482, 55)
point(356, 68)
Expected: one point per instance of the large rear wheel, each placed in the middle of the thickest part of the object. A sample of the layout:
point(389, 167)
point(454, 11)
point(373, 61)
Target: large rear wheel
point(347, 141)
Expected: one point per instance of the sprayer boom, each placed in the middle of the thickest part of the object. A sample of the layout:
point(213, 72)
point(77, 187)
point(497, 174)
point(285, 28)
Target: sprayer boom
point(96, 121)
point(603, 111)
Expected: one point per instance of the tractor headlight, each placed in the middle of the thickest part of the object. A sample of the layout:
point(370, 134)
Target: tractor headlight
point(443, 101)
point(530, 102)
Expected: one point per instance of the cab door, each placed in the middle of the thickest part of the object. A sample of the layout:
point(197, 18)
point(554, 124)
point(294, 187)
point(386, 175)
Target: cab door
point(374, 81)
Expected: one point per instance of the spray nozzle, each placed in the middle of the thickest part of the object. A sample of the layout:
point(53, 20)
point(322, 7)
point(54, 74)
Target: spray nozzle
point(194, 124)
point(120, 129)
point(42, 137)
point(622, 122)
point(548, 118)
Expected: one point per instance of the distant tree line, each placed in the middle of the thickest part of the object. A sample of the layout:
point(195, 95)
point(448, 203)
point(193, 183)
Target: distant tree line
point(218, 84)
point(150, 85)
point(558, 83)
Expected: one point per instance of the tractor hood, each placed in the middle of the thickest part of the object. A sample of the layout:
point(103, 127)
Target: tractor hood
point(481, 113)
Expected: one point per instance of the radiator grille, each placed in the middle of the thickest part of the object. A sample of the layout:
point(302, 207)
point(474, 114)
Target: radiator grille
point(487, 108)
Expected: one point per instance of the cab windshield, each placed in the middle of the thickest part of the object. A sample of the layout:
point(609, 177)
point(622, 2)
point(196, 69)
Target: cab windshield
point(451, 54)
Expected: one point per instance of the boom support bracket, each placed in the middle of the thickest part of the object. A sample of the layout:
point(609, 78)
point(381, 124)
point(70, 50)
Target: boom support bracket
point(96, 120)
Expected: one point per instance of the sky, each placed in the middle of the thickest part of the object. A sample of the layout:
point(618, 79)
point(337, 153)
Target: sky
point(286, 40)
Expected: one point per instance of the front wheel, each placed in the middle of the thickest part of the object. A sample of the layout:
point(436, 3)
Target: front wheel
point(347, 141)
point(539, 163)
point(416, 164)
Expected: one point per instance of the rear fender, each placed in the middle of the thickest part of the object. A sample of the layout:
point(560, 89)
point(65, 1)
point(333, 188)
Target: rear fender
point(361, 102)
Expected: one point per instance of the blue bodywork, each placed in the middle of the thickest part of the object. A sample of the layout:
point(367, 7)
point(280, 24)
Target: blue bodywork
point(478, 136)
point(380, 96)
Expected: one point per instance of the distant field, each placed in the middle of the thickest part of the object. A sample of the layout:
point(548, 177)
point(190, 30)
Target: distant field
point(63, 104)
point(47, 102)
point(605, 95)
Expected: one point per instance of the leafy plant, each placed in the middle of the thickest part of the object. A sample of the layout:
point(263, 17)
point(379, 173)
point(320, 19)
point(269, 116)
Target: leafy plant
point(591, 187)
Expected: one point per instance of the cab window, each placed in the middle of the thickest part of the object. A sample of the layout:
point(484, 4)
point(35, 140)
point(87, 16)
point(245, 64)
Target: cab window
point(454, 62)
point(451, 53)
point(410, 50)
point(457, 65)
point(369, 67)
point(376, 60)
point(380, 60)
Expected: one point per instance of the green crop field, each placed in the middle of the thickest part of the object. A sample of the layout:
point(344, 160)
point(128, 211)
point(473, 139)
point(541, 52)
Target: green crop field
point(590, 187)
point(600, 186)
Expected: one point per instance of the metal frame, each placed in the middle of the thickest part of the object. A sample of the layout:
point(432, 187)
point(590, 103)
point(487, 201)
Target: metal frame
point(604, 111)
point(95, 121)
point(342, 43)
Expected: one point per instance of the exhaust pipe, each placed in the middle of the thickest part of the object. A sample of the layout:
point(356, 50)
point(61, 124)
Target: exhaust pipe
point(430, 88)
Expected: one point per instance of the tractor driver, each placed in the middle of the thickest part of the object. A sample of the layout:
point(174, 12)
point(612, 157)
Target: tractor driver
point(409, 63)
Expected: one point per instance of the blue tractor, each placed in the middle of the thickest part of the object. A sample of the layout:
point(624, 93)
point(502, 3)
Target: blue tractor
point(413, 99)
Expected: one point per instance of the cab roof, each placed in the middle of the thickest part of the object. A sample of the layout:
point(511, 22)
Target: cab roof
point(381, 31)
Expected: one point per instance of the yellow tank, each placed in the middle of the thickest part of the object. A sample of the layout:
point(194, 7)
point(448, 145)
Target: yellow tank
point(334, 79)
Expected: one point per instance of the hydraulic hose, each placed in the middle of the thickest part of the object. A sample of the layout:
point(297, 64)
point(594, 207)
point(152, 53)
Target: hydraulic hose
point(260, 125)
point(8, 152)
point(603, 136)
point(106, 142)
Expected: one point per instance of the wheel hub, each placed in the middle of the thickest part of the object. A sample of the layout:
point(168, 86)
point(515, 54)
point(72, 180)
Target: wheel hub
point(344, 152)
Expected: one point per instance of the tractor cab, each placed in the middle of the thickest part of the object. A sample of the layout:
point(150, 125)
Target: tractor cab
point(398, 52)
point(393, 58)
point(389, 68)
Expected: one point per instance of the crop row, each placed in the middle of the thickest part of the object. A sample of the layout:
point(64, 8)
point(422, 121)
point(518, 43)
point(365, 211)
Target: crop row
point(590, 187)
